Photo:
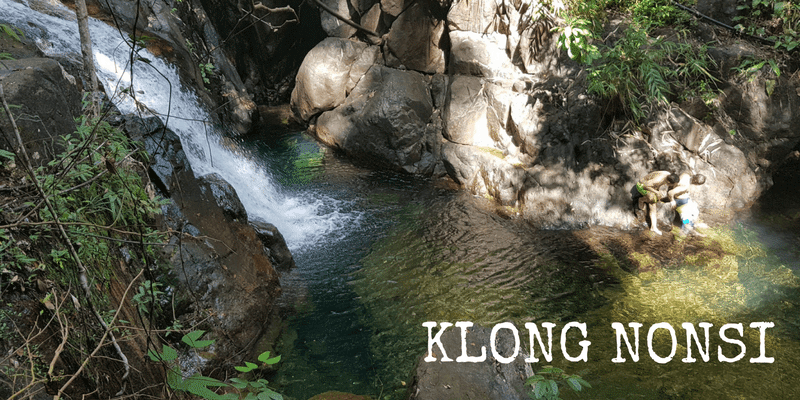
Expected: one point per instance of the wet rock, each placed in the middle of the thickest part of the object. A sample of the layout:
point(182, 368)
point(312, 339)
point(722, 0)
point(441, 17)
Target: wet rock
point(488, 380)
point(224, 274)
point(385, 121)
point(225, 196)
point(323, 78)
point(163, 146)
point(40, 89)
point(275, 244)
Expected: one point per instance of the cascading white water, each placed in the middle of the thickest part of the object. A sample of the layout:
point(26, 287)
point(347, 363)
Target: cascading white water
point(302, 221)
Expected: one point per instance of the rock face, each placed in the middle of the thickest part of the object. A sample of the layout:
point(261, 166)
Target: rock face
point(44, 100)
point(220, 260)
point(512, 119)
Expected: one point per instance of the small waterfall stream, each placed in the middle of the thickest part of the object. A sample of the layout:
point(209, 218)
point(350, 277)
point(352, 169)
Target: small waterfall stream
point(302, 218)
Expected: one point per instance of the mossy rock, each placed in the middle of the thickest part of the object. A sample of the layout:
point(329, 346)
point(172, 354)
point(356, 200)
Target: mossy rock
point(339, 396)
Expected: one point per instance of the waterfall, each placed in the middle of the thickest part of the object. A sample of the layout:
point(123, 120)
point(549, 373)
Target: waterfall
point(303, 219)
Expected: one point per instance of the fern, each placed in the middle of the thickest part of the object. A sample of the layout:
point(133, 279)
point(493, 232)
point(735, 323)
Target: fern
point(12, 31)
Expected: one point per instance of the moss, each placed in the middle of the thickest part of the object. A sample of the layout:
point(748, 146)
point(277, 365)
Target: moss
point(491, 150)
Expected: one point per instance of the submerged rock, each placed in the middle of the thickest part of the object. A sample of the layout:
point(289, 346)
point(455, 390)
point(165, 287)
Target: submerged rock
point(487, 380)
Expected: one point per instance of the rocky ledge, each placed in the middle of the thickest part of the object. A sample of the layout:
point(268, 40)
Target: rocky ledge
point(491, 102)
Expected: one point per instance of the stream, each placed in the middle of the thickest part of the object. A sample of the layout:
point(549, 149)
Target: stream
point(378, 253)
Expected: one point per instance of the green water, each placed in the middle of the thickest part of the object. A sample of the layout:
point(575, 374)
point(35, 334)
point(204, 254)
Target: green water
point(418, 252)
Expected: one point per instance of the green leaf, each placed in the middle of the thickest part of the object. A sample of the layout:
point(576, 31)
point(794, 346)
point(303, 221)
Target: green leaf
point(775, 68)
point(553, 388)
point(533, 379)
point(239, 383)
point(168, 353)
point(539, 389)
point(7, 154)
point(247, 368)
point(581, 381)
point(192, 337)
point(574, 384)
point(264, 358)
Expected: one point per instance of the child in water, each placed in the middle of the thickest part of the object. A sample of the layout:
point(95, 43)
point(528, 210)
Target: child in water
point(684, 205)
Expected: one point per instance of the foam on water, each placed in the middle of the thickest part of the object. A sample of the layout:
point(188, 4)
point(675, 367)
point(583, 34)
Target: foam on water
point(303, 218)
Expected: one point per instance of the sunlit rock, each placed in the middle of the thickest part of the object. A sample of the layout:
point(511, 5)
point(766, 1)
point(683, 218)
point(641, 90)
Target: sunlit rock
point(384, 120)
point(323, 78)
point(416, 41)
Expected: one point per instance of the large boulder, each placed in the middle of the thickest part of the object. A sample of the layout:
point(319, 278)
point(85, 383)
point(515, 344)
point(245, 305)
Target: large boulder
point(214, 186)
point(274, 245)
point(322, 81)
point(416, 41)
point(385, 121)
point(44, 100)
point(479, 54)
point(732, 182)
point(465, 116)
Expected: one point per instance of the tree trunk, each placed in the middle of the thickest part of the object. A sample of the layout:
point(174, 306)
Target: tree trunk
point(86, 50)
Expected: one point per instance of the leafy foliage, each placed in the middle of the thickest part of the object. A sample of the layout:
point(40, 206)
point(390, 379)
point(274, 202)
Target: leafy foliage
point(778, 21)
point(641, 70)
point(206, 387)
point(544, 384)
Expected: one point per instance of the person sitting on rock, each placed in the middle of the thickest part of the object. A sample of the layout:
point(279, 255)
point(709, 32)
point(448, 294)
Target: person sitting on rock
point(681, 202)
point(649, 187)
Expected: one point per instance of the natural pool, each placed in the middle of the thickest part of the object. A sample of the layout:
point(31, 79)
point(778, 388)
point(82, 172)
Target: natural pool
point(415, 250)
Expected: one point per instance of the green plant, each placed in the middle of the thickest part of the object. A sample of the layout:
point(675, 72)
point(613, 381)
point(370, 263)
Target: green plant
point(642, 71)
point(13, 32)
point(750, 67)
point(147, 297)
point(544, 384)
point(779, 21)
point(576, 38)
point(206, 70)
point(204, 386)
point(656, 13)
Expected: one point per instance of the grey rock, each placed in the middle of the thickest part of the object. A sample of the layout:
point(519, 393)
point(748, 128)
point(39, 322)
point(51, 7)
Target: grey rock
point(488, 380)
point(163, 146)
point(415, 41)
point(41, 90)
point(322, 80)
point(384, 122)
point(275, 244)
